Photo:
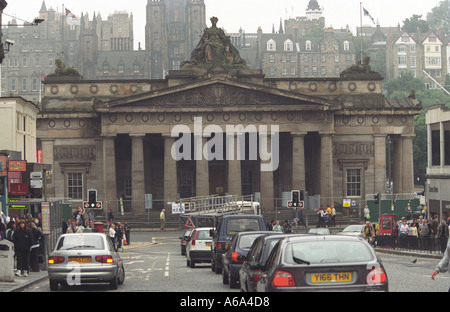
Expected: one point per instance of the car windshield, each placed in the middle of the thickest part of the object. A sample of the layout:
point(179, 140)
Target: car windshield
point(205, 234)
point(246, 241)
point(323, 251)
point(319, 231)
point(242, 225)
point(353, 228)
point(74, 242)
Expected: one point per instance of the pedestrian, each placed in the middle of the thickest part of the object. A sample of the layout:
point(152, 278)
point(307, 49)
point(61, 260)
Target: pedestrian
point(333, 216)
point(37, 237)
point(287, 227)
point(73, 228)
point(369, 233)
point(443, 266)
point(127, 231)
point(320, 217)
point(22, 243)
point(119, 235)
point(110, 217)
point(442, 235)
point(112, 234)
point(162, 218)
point(408, 211)
point(424, 234)
point(414, 234)
point(277, 227)
point(366, 213)
point(403, 231)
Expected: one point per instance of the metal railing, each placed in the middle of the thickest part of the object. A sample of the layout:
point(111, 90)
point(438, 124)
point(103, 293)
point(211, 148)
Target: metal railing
point(425, 244)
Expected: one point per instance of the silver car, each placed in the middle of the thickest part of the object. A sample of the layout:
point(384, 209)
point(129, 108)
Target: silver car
point(354, 230)
point(85, 258)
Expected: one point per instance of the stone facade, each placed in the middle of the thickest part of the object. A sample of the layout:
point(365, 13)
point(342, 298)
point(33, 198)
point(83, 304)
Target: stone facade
point(240, 133)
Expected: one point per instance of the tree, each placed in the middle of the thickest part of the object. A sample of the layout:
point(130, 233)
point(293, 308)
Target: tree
point(406, 83)
point(439, 17)
point(411, 24)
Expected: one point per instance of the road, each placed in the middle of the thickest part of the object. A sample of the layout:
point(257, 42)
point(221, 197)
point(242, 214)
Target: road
point(153, 263)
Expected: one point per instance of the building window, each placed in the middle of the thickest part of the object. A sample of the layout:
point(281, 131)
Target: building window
point(308, 45)
point(271, 45)
point(272, 58)
point(186, 184)
point(346, 45)
point(401, 48)
point(288, 45)
point(435, 148)
point(353, 183)
point(247, 182)
point(24, 84)
point(127, 188)
point(402, 60)
point(75, 185)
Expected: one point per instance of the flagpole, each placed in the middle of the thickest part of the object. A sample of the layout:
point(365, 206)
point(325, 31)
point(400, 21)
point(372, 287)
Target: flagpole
point(360, 32)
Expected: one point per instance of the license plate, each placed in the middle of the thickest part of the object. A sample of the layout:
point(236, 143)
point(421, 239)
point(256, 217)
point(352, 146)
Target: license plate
point(80, 259)
point(339, 277)
point(208, 244)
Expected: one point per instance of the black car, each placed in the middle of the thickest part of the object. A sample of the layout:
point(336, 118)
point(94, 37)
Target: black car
point(226, 228)
point(185, 240)
point(256, 259)
point(234, 257)
point(323, 263)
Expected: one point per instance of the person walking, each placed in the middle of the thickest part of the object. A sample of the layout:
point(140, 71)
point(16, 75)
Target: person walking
point(366, 213)
point(442, 235)
point(162, 218)
point(22, 240)
point(333, 216)
point(73, 227)
point(277, 227)
point(36, 236)
point(112, 234)
point(127, 232)
point(369, 233)
point(443, 266)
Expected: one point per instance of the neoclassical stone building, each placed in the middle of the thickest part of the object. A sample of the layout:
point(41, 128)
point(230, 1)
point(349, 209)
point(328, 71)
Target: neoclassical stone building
point(118, 136)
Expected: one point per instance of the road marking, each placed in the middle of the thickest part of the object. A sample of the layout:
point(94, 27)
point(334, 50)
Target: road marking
point(166, 273)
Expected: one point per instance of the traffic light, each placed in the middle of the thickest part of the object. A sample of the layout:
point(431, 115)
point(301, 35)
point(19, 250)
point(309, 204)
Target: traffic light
point(92, 198)
point(297, 200)
point(376, 199)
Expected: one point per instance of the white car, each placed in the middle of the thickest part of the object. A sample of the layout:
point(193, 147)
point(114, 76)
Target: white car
point(199, 247)
point(354, 230)
point(85, 258)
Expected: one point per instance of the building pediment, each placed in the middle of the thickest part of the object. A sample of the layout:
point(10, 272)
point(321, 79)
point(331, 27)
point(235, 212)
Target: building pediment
point(218, 94)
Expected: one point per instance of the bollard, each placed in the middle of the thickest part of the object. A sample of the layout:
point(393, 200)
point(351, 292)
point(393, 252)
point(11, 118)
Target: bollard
point(6, 261)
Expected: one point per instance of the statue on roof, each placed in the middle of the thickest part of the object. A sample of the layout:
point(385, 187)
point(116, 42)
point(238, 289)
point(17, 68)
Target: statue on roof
point(215, 50)
point(360, 68)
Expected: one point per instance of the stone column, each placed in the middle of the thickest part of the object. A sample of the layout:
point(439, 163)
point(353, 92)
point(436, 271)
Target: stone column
point(202, 174)
point(298, 161)
point(397, 171)
point(48, 146)
point(380, 163)
point(234, 168)
point(170, 172)
point(137, 174)
point(326, 169)
point(408, 164)
point(266, 181)
point(109, 173)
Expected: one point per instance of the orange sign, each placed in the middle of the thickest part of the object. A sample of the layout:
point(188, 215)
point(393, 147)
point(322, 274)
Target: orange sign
point(17, 165)
point(4, 168)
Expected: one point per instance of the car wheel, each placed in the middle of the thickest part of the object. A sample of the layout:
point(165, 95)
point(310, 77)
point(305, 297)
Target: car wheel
point(53, 285)
point(188, 263)
point(233, 282)
point(114, 284)
point(225, 279)
point(121, 276)
point(213, 265)
point(192, 264)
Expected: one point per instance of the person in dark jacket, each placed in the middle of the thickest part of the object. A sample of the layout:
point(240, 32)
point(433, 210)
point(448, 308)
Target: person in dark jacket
point(37, 237)
point(22, 240)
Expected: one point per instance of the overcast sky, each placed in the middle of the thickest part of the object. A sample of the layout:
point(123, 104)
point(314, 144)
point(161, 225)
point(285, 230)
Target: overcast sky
point(234, 14)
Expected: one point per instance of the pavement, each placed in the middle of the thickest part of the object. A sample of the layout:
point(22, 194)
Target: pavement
point(21, 283)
